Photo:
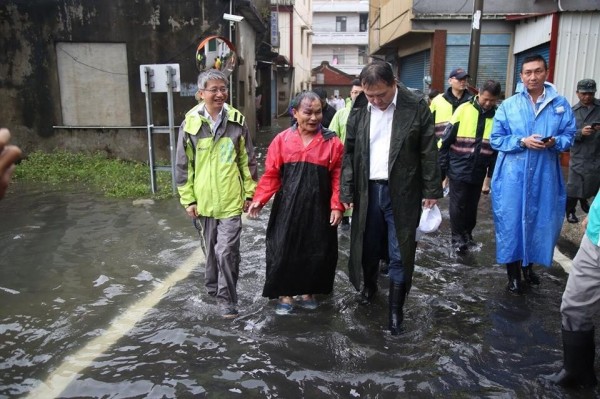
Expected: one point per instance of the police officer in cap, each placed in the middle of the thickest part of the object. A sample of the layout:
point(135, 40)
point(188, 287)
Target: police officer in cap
point(584, 166)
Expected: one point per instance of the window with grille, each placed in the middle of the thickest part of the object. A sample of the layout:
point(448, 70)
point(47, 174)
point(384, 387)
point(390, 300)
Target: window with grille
point(340, 24)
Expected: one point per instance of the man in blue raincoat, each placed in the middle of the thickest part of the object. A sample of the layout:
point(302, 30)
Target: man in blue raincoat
point(530, 130)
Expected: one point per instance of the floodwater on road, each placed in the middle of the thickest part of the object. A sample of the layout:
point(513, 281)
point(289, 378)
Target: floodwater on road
point(104, 298)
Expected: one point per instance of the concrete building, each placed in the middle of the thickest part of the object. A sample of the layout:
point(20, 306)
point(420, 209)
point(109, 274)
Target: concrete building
point(341, 34)
point(291, 38)
point(70, 71)
point(425, 39)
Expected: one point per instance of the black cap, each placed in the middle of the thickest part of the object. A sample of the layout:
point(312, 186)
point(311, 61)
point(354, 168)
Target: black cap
point(586, 86)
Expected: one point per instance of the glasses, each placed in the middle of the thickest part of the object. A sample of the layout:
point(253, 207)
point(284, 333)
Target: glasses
point(222, 90)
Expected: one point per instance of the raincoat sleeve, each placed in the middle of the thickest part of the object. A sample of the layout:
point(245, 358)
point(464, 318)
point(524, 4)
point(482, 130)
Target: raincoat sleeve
point(270, 182)
point(448, 138)
point(335, 171)
point(184, 168)
point(565, 132)
point(502, 137)
point(432, 183)
point(247, 163)
point(347, 178)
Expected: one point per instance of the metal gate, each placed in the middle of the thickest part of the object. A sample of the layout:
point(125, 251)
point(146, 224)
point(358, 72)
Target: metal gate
point(413, 69)
point(493, 56)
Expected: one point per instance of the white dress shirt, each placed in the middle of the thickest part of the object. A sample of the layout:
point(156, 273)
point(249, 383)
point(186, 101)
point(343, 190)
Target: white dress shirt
point(380, 135)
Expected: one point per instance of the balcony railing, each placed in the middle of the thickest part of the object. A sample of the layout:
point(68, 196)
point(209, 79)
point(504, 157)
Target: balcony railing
point(283, 2)
point(357, 38)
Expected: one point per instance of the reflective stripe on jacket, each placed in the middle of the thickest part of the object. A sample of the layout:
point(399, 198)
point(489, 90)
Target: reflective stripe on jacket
point(466, 153)
point(443, 106)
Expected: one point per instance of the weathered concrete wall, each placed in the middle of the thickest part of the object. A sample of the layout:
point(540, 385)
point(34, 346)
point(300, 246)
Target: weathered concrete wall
point(119, 143)
point(153, 31)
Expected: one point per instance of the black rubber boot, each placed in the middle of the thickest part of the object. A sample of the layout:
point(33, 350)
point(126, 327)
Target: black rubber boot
point(459, 243)
point(384, 267)
point(571, 205)
point(585, 206)
point(370, 276)
point(578, 370)
point(530, 276)
point(513, 270)
point(396, 298)
point(367, 294)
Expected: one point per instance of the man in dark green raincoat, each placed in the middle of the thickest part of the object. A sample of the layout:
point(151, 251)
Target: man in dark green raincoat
point(389, 172)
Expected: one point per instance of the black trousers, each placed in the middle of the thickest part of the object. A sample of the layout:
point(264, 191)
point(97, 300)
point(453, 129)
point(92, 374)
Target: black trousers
point(464, 199)
point(572, 204)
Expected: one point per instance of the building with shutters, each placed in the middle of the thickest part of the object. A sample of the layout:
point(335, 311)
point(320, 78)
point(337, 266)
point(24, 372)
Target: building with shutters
point(426, 39)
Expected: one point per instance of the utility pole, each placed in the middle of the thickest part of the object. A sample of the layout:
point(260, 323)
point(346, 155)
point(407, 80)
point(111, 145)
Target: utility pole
point(475, 36)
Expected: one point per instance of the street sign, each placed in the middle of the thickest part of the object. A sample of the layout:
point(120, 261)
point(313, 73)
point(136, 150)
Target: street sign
point(159, 77)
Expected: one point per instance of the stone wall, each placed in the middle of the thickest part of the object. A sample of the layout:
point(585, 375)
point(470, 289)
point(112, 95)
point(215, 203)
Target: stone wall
point(152, 32)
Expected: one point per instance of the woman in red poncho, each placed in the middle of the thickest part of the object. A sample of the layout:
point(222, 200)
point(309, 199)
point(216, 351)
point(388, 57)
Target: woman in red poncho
point(302, 169)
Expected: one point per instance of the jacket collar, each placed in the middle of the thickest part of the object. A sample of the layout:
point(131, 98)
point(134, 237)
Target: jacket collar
point(596, 103)
point(488, 114)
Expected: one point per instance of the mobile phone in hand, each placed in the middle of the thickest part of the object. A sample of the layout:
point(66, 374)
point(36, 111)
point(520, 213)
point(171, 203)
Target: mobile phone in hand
point(545, 139)
point(595, 125)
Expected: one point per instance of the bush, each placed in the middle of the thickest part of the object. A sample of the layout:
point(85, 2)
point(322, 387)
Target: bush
point(114, 177)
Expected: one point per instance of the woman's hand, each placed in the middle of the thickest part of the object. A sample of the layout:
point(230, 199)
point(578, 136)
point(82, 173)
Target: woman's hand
point(336, 217)
point(254, 209)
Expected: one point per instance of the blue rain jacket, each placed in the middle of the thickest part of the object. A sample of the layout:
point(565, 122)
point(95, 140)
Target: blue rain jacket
point(528, 191)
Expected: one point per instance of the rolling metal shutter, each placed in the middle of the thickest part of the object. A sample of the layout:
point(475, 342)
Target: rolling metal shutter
point(493, 56)
point(413, 69)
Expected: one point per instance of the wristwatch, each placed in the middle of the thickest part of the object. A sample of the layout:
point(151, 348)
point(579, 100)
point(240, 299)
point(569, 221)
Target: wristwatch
point(522, 143)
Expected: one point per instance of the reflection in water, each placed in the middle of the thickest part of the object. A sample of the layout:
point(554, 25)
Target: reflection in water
point(73, 263)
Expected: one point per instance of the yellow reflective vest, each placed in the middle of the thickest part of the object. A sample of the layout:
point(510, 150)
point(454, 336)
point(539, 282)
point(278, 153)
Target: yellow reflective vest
point(443, 106)
point(465, 152)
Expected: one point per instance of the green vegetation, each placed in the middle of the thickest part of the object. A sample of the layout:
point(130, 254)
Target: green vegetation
point(113, 177)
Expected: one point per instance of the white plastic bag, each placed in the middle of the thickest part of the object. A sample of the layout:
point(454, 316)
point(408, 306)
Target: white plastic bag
point(431, 218)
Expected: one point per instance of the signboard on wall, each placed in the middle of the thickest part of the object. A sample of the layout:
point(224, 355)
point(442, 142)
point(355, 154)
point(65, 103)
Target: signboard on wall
point(275, 29)
point(98, 73)
point(159, 78)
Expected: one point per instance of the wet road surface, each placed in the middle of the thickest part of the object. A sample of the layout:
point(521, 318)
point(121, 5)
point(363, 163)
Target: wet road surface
point(91, 308)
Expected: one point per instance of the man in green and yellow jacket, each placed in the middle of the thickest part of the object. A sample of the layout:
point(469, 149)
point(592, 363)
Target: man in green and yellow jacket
point(466, 156)
point(216, 177)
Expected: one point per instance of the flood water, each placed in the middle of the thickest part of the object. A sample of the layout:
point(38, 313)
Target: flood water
point(72, 263)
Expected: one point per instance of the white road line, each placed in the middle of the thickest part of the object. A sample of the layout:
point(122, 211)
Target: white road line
point(562, 260)
point(69, 370)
